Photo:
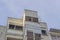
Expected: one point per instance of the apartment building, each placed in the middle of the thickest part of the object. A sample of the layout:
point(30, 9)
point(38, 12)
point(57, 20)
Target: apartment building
point(27, 28)
point(54, 34)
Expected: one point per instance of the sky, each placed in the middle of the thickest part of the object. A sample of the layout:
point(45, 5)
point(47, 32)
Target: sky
point(48, 10)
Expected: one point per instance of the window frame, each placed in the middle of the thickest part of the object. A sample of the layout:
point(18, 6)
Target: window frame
point(43, 32)
point(15, 27)
point(18, 27)
point(11, 26)
point(32, 19)
point(37, 36)
point(29, 36)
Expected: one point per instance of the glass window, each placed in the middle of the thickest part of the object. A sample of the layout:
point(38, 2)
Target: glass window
point(29, 38)
point(35, 19)
point(37, 37)
point(18, 28)
point(11, 26)
point(32, 19)
point(15, 27)
point(8, 38)
point(28, 18)
point(29, 35)
point(43, 32)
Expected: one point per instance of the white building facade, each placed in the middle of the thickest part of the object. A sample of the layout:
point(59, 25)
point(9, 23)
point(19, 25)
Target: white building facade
point(2, 32)
point(27, 28)
point(54, 34)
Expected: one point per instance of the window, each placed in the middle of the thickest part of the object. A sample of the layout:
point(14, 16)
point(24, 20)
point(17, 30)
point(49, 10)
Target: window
point(35, 19)
point(29, 35)
point(32, 19)
point(9, 38)
point(11, 26)
point(37, 37)
point(28, 18)
point(15, 27)
point(18, 28)
point(43, 32)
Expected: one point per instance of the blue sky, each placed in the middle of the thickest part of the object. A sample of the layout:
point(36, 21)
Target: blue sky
point(48, 10)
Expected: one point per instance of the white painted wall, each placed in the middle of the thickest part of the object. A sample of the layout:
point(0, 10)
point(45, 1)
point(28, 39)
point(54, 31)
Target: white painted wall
point(30, 26)
point(30, 13)
point(2, 32)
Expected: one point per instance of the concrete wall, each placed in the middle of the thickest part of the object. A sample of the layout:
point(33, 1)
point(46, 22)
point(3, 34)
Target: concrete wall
point(2, 32)
point(30, 13)
point(43, 26)
point(34, 27)
point(11, 33)
point(55, 34)
point(15, 21)
point(31, 26)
